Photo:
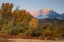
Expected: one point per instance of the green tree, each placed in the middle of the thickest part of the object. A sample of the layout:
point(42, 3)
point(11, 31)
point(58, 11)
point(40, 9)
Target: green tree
point(14, 31)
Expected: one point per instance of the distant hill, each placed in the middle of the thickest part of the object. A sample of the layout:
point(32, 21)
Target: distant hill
point(48, 20)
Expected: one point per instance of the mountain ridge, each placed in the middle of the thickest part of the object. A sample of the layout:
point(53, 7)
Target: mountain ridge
point(48, 13)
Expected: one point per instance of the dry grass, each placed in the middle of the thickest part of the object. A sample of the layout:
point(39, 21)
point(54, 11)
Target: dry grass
point(27, 40)
point(34, 40)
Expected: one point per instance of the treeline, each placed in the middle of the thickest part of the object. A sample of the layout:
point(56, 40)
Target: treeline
point(20, 22)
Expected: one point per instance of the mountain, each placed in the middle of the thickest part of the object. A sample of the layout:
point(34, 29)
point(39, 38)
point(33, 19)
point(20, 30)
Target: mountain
point(48, 13)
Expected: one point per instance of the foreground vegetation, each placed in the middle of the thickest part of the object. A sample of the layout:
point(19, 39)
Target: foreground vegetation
point(21, 23)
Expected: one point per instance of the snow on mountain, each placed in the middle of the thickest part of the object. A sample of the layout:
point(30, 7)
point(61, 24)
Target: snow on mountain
point(47, 13)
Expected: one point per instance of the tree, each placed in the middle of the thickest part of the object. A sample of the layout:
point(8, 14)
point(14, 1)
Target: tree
point(6, 9)
point(14, 31)
point(57, 32)
point(14, 17)
point(17, 8)
point(47, 32)
point(20, 16)
point(33, 22)
point(46, 25)
point(57, 23)
point(62, 28)
point(36, 32)
point(0, 11)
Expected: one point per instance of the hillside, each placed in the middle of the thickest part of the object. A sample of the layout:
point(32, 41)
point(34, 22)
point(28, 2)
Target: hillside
point(48, 20)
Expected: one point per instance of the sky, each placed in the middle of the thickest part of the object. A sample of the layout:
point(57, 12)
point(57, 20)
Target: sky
point(56, 5)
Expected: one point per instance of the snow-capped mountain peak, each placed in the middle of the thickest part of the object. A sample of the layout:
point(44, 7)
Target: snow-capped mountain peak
point(47, 13)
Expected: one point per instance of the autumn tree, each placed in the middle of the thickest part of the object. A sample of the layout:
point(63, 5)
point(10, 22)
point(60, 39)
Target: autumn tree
point(1, 21)
point(36, 32)
point(57, 32)
point(21, 16)
point(62, 28)
point(46, 25)
point(47, 32)
point(6, 9)
point(57, 23)
point(17, 8)
point(34, 22)
point(0, 10)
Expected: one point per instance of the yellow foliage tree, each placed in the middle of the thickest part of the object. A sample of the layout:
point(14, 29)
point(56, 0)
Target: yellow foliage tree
point(34, 22)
